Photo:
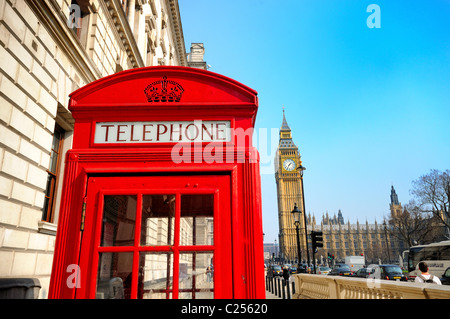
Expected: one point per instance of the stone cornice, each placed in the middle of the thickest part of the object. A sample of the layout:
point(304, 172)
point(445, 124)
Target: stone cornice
point(177, 30)
point(125, 33)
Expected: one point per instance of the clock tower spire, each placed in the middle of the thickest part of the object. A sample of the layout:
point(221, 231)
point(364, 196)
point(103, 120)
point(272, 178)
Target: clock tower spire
point(286, 135)
point(289, 191)
point(284, 125)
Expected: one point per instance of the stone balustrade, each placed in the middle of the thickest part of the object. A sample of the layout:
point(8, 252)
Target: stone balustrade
point(338, 287)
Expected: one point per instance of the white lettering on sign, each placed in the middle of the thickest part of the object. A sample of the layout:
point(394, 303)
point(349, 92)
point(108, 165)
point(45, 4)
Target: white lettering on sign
point(162, 132)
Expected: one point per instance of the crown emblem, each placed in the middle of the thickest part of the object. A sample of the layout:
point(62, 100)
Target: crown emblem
point(164, 91)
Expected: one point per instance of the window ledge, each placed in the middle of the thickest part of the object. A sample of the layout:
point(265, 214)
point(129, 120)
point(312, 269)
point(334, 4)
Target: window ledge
point(47, 228)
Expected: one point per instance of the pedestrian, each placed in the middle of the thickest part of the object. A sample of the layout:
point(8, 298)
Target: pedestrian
point(286, 273)
point(208, 274)
point(425, 276)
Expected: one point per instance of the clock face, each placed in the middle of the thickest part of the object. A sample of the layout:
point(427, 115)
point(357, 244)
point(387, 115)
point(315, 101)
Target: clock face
point(289, 165)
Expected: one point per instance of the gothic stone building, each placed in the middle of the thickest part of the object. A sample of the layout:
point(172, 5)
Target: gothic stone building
point(344, 239)
point(48, 49)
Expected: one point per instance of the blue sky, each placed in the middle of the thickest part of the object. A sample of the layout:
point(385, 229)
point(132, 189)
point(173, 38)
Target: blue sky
point(368, 107)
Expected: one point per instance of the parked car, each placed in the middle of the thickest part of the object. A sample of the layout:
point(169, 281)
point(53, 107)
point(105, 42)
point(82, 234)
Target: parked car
point(392, 272)
point(274, 270)
point(445, 280)
point(323, 270)
point(343, 270)
point(302, 268)
point(364, 272)
point(293, 269)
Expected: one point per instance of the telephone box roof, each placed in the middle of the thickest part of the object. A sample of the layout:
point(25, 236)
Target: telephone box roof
point(183, 85)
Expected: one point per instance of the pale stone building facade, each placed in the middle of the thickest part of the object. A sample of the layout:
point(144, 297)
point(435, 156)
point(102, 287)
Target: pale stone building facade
point(48, 49)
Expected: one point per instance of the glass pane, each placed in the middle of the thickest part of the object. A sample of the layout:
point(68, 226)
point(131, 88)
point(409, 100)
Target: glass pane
point(155, 279)
point(444, 252)
point(119, 217)
point(114, 275)
point(51, 181)
point(53, 162)
point(196, 276)
point(57, 136)
point(158, 213)
point(197, 220)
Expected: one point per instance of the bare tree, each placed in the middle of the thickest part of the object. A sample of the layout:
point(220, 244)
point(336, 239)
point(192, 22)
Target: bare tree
point(433, 193)
point(411, 225)
point(375, 252)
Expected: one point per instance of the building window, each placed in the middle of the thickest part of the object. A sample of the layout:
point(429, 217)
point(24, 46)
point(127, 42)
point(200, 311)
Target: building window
point(53, 174)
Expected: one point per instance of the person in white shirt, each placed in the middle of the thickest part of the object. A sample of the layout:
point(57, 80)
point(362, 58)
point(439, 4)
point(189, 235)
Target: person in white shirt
point(426, 277)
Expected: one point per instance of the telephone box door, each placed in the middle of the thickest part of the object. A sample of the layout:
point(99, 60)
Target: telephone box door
point(158, 237)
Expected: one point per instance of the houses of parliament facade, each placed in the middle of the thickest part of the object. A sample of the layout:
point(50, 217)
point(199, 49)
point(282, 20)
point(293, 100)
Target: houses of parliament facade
point(340, 239)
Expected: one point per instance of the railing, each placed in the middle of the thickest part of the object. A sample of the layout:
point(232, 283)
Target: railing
point(280, 287)
point(337, 287)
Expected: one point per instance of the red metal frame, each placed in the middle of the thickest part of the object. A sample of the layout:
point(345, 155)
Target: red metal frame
point(121, 98)
point(219, 186)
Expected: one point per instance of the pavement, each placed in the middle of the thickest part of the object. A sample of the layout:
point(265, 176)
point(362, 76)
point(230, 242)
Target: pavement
point(270, 295)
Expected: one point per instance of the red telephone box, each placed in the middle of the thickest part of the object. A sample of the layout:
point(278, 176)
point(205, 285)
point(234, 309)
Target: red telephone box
point(162, 192)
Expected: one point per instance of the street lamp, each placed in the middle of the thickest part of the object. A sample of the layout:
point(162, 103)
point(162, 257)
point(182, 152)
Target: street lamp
point(296, 214)
point(276, 251)
point(301, 169)
point(386, 238)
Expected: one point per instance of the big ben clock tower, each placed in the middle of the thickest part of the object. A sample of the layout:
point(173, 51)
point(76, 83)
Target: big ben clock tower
point(289, 191)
